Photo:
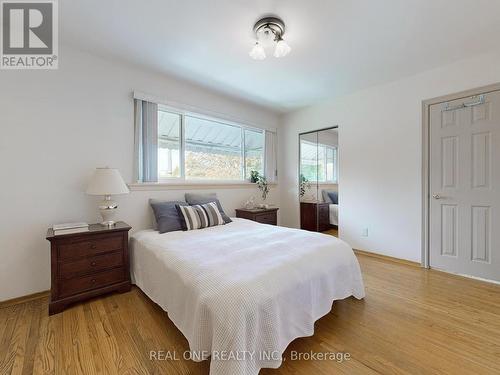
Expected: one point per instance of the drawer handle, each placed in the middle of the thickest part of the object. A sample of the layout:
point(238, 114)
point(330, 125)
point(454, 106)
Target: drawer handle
point(93, 246)
point(93, 264)
point(93, 281)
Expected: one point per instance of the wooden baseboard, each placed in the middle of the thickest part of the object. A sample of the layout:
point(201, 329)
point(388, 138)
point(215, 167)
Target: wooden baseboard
point(27, 298)
point(387, 258)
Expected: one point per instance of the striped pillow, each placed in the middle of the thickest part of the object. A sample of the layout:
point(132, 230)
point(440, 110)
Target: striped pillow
point(200, 216)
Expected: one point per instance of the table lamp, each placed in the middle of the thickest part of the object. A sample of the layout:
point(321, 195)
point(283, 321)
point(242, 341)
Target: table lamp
point(107, 182)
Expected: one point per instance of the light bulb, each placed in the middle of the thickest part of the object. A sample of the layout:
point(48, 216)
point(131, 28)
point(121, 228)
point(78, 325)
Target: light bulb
point(281, 49)
point(257, 52)
point(266, 37)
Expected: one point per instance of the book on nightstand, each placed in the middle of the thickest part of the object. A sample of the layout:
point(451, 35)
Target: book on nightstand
point(68, 228)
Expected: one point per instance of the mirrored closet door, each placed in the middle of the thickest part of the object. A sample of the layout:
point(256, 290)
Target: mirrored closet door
point(318, 180)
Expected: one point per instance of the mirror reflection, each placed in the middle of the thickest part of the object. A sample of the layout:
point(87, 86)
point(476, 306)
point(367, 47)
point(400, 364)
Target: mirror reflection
point(318, 180)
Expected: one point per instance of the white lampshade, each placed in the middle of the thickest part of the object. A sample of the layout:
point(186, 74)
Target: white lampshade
point(107, 181)
point(257, 52)
point(282, 49)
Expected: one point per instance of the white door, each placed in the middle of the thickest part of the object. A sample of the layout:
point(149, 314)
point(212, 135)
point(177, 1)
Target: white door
point(465, 186)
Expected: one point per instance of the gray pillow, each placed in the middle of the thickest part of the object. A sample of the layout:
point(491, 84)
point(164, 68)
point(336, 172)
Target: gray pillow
point(166, 215)
point(330, 196)
point(334, 197)
point(194, 198)
point(326, 197)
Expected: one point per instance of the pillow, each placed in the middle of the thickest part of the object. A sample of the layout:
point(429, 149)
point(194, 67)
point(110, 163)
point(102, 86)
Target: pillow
point(200, 216)
point(166, 215)
point(326, 198)
point(334, 197)
point(193, 198)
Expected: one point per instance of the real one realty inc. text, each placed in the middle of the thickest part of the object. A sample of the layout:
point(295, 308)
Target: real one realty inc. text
point(244, 355)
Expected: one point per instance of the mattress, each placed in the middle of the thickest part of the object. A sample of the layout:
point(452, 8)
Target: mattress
point(244, 288)
point(334, 214)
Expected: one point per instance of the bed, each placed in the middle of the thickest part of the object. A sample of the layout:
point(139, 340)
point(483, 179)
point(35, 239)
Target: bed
point(244, 288)
point(331, 197)
point(334, 214)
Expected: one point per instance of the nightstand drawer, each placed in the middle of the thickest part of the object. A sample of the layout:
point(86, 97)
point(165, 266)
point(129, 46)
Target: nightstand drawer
point(324, 213)
point(82, 284)
point(260, 215)
point(70, 269)
point(267, 218)
point(87, 264)
point(91, 246)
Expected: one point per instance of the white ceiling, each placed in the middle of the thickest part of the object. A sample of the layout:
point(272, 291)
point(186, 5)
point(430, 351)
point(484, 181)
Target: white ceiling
point(338, 46)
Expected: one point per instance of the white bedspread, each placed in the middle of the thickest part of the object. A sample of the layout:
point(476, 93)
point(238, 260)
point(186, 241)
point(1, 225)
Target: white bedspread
point(334, 214)
point(244, 287)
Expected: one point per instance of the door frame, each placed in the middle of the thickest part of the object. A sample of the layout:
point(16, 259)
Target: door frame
point(425, 260)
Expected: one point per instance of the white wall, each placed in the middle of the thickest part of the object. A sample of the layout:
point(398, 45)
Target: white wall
point(379, 153)
point(56, 127)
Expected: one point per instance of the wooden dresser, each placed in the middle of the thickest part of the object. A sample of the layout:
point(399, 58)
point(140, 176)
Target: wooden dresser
point(260, 215)
point(315, 216)
point(88, 264)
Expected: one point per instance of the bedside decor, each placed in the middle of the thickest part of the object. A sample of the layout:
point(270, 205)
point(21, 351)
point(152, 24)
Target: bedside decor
point(304, 185)
point(250, 203)
point(107, 182)
point(261, 182)
point(68, 228)
point(254, 176)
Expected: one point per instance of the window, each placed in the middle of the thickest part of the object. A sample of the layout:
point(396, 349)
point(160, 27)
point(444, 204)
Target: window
point(254, 152)
point(309, 160)
point(319, 163)
point(331, 164)
point(169, 150)
point(213, 150)
point(197, 148)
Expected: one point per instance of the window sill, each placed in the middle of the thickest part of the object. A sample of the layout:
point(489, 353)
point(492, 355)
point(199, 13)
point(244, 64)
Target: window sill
point(323, 183)
point(180, 185)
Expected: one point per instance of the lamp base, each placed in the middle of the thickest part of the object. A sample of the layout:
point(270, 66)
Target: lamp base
point(108, 209)
point(109, 223)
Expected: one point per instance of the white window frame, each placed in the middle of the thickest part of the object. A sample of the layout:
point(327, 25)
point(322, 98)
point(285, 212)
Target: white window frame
point(182, 179)
point(335, 164)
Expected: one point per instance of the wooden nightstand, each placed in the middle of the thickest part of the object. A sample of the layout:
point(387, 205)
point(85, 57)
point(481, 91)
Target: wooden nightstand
point(315, 216)
point(260, 215)
point(88, 264)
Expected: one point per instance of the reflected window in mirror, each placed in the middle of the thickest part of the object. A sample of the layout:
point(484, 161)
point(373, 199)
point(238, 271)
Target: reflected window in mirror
point(319, 162)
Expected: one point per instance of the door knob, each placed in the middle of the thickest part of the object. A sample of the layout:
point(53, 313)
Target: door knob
point(436, 196)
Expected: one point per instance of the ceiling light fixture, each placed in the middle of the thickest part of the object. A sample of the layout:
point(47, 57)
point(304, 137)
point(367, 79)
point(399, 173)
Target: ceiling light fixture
point(257, 52)
point(269, 32)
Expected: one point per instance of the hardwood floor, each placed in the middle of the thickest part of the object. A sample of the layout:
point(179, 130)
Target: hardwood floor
point(332, 232)
point(412, 321)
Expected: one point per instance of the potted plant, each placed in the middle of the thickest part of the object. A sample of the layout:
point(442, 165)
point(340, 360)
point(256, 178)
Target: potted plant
point(304, 185)
point(254, 176)
point(261, 182)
